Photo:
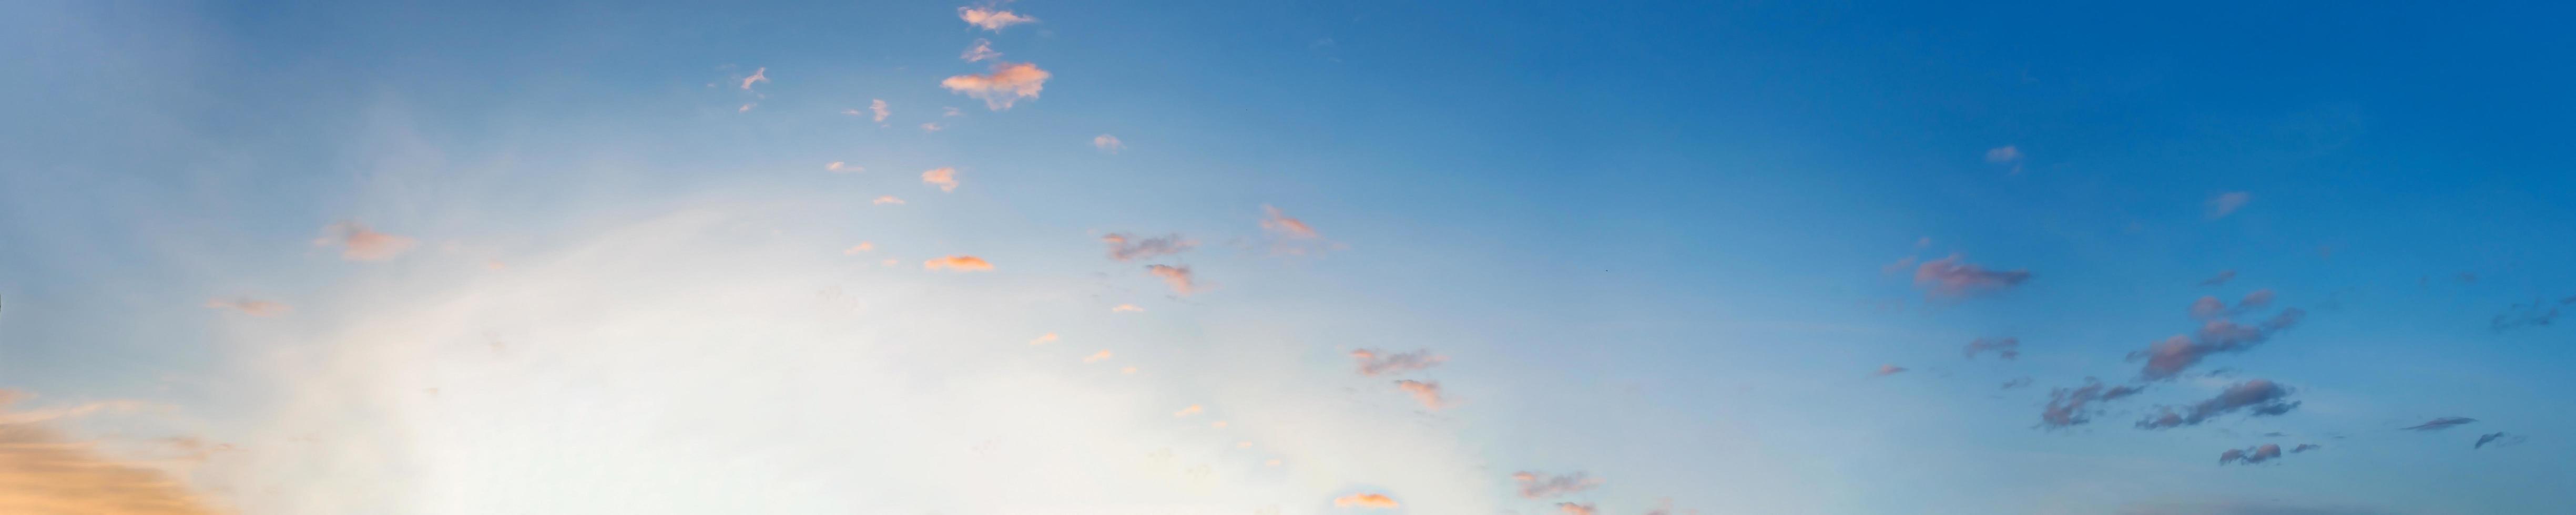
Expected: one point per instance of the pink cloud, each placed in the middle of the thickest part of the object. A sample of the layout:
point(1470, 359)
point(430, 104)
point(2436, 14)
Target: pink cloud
point(991, 19)
point(886, 199)
point(1577, 509)
point(958, 263)
point(943, 177)
point(1008, 84)
point(1043, 339)
point(761, 75)
point(1108, 143)
point(1887, 370)
point(1097, 357)
point(1373, 363)
point(1953, 278)
point(878, 107)
point(1282, 224)
point(1178, 277)
point(358, 243)
point(1428, 392)
point(982, 50)
point(1126, 308)
point(860, 248)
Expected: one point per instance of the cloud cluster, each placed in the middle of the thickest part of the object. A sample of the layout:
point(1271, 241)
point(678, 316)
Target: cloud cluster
point(1950, 277)
point(1006, 85)
point(358, 243)
point(878, 108)
point(2006, 348)
point(1534, 485)
point(1128, 247)
point(2251, 455)
point(1373, 363)
point(2262, 396)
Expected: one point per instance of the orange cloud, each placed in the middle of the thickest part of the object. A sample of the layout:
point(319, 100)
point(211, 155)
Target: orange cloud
point(761, 75)
point(838, 166)
point(1577, 509)
point(991, 19)
point(1887, 370)
point(252, 307)
point(1194, 409)
point(1364, 501)
point(982, 50)
point(1096, 357)
point(41, 471)
point(1425, 391)
point(958, 263)
point(1128, 370)
point(358, 243)
point(887, 199)
point(862, 247)
point(1108, 143)
point(1008, 83)
point(1043, 339)
point(1217, 424)
point(1285, 226)
point(1178, 276)
point(944, 177)
point(878, 107)
point(1127, 308)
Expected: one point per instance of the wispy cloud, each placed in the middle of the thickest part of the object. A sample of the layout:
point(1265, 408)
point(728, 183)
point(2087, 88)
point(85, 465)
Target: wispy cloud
point(931, 127)
point(2221, 278)
point(1006, 85)
point(2179, 352)
point(878, 108)
point(944, 177)
point(1043, 339)
point(2262, 396)
point(358, 243)
point(2499, 438)
point(2440, 424)
point(1427, 392)
point(1194, 409)
point(1365, 501)
point(2305, 447)
point(1887, 370)
point(886, 199)
point(1126, 308)
point(2006, 348)
point(1128, 247)
point(1097, 357)
point(1535, 485)
point(842, 167)
point(861, 248)
point(1373, 362)
point(2006, 155)
point(42, 471)
point(1951, 277)
point(1108, 143)
point(1179, 277)
point(2209, 307)
point(2252, 455)
point(991, 19)
point(2017, 382)
point(982, 50)
point(759, 76)
point(957, 263)
point(1568, 508)
point(1283, 225)
point(2221, 205)
point(2069, 407)
point(2530, 314)
point(252, 307)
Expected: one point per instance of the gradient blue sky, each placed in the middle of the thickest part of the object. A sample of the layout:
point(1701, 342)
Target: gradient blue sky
point(1661, 244)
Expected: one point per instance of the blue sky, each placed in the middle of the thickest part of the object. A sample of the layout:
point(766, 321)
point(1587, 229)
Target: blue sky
point(1667, 247)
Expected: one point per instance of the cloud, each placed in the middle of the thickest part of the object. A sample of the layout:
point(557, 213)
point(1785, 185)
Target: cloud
point(2006, 154)
point(2239, 508)
point(1887, 370)
point(1577, 509)
point(2440, 424)
point(2532, 314)
point(886, 199)
point(2219, 206)
point(1426, 391)
point(1043, 339)
point(358, 243)
point(2016, 383)
point(1108, 143)
point(2179, 352)
point(991, 19)
point(2221, 278)
point(1128, 247)
point(252, 307)
point(2305, 447)
point(1365, 501)
point(42, 471)
point(1194, 409)
point(838, 166)
point(878, 106)
point(1097, 357)
point(1008, 83)
point(1373, 363)
point(2209, 307)
point(2499, 438)
point(1126, 308)
point(944, 177)
point(2068, 407)
point(1949, 277)
point(761, 75)
point(2262, 395)
point(982, 50)
point(1283, 225)
point(958, 263)
point(931, 127)
point(1534, 485)
point(2006, 348)
point(950, 111)
point(861, 248)
point(2251, 455)
point(1179, 277)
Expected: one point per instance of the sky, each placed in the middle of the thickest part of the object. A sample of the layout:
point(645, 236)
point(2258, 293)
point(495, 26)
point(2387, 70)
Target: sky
point(1285, 258)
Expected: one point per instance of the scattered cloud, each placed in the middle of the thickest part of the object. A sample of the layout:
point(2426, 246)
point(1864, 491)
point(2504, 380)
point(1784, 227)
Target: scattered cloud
point(1887, 370)
point(1365, 501)
point(1128, 247)
point(1097, 357)
point(861, 248)
point(2016, 383)
point(1043, 339)
point(252, 307)
point(2251, 455)
point(1373, 363)
point(2224, 203)
point(958, 263)
point(1535, 485)
point(982, 50)
point(886, 199)
point(2006, 155)
point(2305, 447)
point(1006, 85)
point(2068, 407)
point(931, 127)
point(358, 243)
point(944, 177)
point(841, 167)
point(2440, 424)
point(761, 75)
point(2221, 278)
point(2209, 307)
point(746, 107)
point(1194, 409)
point(2262, 395)
point(2175, 354)
point(1897, 267)
point(1179, 277)
point(43, 471)
point(2531, 314)
point(1126, 308)
point(1428, 392)
point(1951, 277)
point(2006, 348)
point(1283, 225)
point(878, 107)
point(991, 19)
point(1577, 509)
point(1108, 143)
point(2499, 438)
point(950, 112)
